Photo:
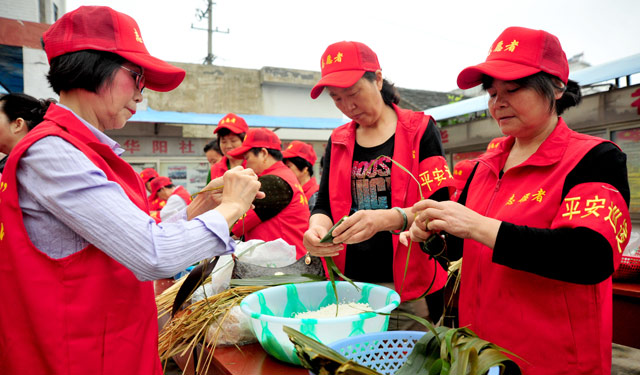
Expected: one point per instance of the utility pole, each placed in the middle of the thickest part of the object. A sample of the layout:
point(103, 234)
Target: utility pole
point(200, 14)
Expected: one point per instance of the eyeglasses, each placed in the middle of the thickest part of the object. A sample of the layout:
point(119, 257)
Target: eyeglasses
point(138, 77)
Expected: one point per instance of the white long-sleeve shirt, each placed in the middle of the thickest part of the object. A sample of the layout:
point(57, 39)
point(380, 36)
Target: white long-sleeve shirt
point(68, 203)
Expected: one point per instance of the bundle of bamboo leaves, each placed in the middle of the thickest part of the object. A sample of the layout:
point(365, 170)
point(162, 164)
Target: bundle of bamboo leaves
point(442, 350)
point(189, 327)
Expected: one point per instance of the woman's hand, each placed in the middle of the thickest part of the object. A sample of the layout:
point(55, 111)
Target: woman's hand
point(232, 195)
point(452, 218)
point(319, 225)
point(241, 187)
point(361, 226)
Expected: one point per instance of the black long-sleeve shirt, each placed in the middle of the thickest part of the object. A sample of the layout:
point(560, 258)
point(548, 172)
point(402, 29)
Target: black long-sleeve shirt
point(579, 255)
point(372, 260)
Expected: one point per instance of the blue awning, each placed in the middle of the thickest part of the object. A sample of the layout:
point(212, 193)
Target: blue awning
point(192, 118)
point(588, 76)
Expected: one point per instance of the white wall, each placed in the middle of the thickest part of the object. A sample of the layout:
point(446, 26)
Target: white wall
point(29, 10)
point(26, 10)
point(295, 102)
point(35, 72)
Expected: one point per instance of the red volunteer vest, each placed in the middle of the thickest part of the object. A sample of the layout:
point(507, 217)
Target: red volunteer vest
point(556, 327)
point(218, 169)
point(289, 224)
point(310, 188)
point(83, 314)
point(433, 174)
point(182, 193)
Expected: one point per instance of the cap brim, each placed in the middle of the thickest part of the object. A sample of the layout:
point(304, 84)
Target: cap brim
point(233, 129)
point(237, 153)
point(499, 69)
point(288, 154)
point(345, 78)
point(159, 75)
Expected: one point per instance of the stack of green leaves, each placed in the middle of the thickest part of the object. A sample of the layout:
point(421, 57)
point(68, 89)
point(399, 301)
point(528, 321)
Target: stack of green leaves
point(321, 359)
point(441, 351)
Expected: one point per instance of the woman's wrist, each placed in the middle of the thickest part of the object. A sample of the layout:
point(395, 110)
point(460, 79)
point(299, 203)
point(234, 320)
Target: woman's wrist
point(404, 218)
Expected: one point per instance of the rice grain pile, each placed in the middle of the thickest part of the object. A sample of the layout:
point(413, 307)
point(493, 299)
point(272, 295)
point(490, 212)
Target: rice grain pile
point(329, 311)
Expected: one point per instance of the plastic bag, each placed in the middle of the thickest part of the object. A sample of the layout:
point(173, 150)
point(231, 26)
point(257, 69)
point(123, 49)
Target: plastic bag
point(256, 252)
point(220, 277)
point(275, 253)
point(235, 330)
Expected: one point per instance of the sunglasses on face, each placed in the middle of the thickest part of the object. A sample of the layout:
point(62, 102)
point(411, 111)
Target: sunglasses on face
point(138, 77)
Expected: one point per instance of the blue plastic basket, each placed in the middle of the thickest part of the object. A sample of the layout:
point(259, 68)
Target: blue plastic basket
point(384, 352)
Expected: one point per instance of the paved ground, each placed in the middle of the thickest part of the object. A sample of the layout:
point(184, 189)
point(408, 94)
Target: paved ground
point(626, 361)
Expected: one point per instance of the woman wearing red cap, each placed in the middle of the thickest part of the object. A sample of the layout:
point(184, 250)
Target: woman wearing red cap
point(231, 131)
point(360, 180)
point(546, 216)
point(285, 213)
point(155, 204)
point(300, 158)
point(77, 245)
point(176, 198)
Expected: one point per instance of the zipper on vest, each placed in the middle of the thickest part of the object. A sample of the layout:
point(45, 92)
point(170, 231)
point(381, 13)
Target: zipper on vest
point(493, 196)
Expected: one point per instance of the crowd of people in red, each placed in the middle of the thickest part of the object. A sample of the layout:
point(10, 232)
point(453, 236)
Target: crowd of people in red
point(82, 234)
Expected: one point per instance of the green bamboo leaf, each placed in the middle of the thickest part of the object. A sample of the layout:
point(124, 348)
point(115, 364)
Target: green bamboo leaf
point(422, 357)
point(321, 359)
point(329, 236)
point(332, 278)
point(196, 277)
point(446, 368)
point(435, 331)
point(404, 169)
point(436, 368)
point(273, 280)
point(447, 347)
point(460, 363)
point(491, 357)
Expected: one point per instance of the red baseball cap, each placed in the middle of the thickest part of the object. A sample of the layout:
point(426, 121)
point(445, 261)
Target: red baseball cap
point(234, 123)
point(461, 172)
point(301, 150)
point(104, 29)
point(147, 174)
point(259, 137)
point(343, 64)
point(157, 184)
point(517, 53)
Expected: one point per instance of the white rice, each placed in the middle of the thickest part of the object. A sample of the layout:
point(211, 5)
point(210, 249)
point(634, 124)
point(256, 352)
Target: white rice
point(344, 309)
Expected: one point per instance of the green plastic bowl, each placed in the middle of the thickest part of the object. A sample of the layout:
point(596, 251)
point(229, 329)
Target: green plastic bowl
point(272, 308)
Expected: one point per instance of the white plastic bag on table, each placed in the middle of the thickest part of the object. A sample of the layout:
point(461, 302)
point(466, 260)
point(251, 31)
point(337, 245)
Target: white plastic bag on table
point(235, 330)
point(275, 253)
point(220, 277)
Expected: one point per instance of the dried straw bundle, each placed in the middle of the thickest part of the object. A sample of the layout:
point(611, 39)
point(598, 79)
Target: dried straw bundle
point(189, 327)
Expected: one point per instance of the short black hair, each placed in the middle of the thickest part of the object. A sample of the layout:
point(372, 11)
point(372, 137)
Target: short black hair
point(86, 69)
point(223, 132)
point(213, 145)
point(300, 163)
point(276, 154)
point(546, 85)
point(389, 92)
point(30, 109)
